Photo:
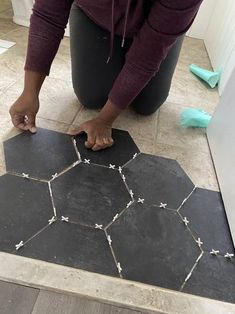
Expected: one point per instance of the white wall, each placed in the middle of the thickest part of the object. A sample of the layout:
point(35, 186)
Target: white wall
point(215, 24)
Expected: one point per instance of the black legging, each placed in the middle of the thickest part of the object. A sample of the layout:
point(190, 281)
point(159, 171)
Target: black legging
point(93, 78)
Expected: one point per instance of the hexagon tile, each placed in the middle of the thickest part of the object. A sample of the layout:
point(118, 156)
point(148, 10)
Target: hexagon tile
point(117, 212)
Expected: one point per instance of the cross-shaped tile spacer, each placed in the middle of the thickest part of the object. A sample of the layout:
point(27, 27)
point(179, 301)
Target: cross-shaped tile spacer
point(185, 220)
point(120, 169)
point(25, 175)
point(163, 205)
point(111, 166)
point(228, 255)
point(115, 217)
point(66, 219)
point(131, 193)
point(140, 200)
point(19, 245)
point(54, 176)
point(109, 239)
point(98, 226)
point(129, 204)
point(134, 156)
point(214, 252)
point(119, 268)
point(87, 161)
point(199, 242)
point(52, 220)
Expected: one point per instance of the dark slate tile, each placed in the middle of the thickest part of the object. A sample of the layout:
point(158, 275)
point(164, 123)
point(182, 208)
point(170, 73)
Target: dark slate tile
point(40, 155)
point(119, 154)
point(158, 179)
point(153, 246)
point(207, 220)
point(213, 277)
point(72, 245)
point(25, 207)
point(90, 194)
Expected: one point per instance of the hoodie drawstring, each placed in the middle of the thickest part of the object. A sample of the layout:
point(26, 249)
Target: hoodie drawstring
point(125, 23)
point(112, 28)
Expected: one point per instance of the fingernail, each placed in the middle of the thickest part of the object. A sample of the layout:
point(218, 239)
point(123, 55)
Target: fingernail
point(33, 129)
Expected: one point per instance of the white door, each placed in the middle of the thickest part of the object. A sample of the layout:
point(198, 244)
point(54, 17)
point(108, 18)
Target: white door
point(221, 136)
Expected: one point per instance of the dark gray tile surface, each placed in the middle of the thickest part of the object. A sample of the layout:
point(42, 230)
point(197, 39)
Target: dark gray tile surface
point(25, 207)
point(214, 277)
point(90, 194)
point(40, 155)
point(207, 220)
point(158, 179)
point(72, 245)
point(121, 152)
point(153, 246)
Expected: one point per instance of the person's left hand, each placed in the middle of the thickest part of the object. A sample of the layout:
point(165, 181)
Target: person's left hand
point(99, 133)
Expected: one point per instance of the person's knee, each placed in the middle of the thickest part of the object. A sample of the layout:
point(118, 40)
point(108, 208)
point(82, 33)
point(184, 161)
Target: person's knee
point(148, 107)
point(88, 100)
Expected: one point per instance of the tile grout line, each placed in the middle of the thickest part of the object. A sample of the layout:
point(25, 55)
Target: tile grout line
point(108, 238)
point(191, 271)
point(52, 199)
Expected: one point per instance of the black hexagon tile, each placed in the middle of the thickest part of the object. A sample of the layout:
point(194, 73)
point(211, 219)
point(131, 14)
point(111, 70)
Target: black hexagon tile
point(120, 153)
point(158, 180)
point(213, 277)
point(72, 245)
point(153, 246)
point(207, 219)
point(90, 194)
point(25, 207)
point(40, 155)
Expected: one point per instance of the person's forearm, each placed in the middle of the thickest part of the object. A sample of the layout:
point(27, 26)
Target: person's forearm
point(109, 112)
point(33, 82)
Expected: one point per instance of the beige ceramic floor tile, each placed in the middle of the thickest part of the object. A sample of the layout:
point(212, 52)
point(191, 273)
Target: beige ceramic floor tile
point(52, 125)
point(171, 133)
point(4, 5)
point(57, 100)
point(198, 165)
point(6, 26)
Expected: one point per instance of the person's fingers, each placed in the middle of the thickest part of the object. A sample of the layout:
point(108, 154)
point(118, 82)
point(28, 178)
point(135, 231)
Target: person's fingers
point(31, 123)
point(90, 140)
point(17, 119)
point(22, 126)
point(111, 142)
point(76, 131)
point(99, 144)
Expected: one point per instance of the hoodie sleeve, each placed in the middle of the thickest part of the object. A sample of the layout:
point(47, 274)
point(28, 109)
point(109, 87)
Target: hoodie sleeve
point(167, 20)
point(47, 26)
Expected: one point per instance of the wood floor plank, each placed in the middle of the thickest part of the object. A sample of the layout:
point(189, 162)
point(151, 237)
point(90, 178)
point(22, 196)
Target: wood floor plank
point(16, 299)
point(50, 303)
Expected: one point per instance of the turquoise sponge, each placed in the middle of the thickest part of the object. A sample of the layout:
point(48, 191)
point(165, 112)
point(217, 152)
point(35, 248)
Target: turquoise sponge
point(196, 118)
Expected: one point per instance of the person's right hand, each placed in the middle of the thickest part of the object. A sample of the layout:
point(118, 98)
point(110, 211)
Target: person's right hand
point(23, 112)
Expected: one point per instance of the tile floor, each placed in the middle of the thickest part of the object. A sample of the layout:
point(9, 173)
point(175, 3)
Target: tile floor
point(159, 134)
point(141, 219)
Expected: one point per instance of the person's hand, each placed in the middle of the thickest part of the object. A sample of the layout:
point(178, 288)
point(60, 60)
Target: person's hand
point(23, 112)
point(99, 133)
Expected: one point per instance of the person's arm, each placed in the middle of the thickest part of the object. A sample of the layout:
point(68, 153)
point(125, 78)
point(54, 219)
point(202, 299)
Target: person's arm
point(47, 25)
point(167, 20)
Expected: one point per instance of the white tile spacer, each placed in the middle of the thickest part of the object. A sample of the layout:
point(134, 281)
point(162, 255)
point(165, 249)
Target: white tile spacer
point(131, 193)
point(54, 176)
point(19, 245)
point(123, 178)
point(111, 166)
point(134, 156)
point(25, 175)
point(228, 255)
point(214, 252)
point(140, 200)
point(109, 239)
point(129, 204)
point(87, 161)
point(115, 217)
point(74, 142)
point(199, 242)
point(120, 169)
point(52, 220)
point(63, 218)
point(98, 226)
point(185, 221)
point(119, 268)
point(162, 205)
point(76, 163)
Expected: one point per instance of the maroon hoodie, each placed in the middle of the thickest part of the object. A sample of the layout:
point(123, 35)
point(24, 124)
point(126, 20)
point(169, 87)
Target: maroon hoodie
point(153, 35)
